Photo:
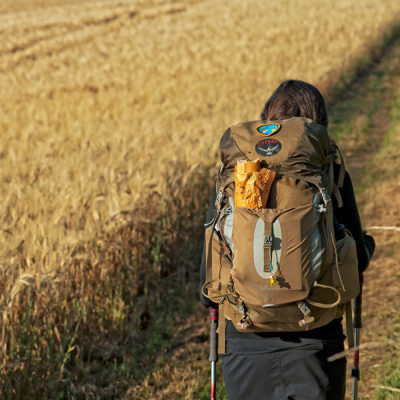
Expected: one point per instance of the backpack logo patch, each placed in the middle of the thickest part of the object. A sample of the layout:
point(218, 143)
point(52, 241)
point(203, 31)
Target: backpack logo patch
point(268, 147)
point(268, 130)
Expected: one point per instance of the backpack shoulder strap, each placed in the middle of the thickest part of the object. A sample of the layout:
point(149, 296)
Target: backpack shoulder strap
point(337, 194)
point(335, 186)
point(342, 168)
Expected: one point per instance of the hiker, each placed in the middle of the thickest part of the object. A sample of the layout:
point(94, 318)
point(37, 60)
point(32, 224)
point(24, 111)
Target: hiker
point(292, 364)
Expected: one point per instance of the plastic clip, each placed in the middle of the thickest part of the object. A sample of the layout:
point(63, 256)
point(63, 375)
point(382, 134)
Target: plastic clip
point(267, 241)
point(320, 208)
point(325, 196)
point(219, 197)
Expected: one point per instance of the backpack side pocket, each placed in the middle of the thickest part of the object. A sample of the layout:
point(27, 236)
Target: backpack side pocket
point(220, 266)
point(348, 268)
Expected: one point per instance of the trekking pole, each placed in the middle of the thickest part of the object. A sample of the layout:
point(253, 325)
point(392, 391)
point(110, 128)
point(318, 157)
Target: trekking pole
point(213, 313)
point(357, 325)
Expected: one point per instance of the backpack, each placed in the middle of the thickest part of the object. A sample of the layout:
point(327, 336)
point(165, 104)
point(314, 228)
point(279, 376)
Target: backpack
point(280, 268)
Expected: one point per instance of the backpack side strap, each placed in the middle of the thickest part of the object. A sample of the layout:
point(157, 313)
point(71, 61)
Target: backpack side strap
point(332, 184)
point(221, 329)
point(331, 233)
point(342, 169)
point(219, 295)
point(337, 194)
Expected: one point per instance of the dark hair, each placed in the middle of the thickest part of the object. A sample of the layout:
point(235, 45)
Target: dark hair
point(295, 98)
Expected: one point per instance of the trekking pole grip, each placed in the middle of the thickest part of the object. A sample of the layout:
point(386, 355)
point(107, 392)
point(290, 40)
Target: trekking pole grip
point(357, 323)
point(213, 313)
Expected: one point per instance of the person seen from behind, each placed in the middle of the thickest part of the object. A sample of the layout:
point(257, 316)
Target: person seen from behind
point(292, 365)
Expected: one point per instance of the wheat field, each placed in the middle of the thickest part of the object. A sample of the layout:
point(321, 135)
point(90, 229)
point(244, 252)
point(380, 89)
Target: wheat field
point(104, 103)
point(101, 102)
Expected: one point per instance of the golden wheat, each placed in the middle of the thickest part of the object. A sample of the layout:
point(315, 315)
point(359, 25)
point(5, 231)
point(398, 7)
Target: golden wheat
point(97, 100)
point(104, 102)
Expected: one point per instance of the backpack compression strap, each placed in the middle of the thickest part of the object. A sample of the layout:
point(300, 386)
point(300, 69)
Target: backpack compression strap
point(220, 296)
point(336, 193)
point(342, 168)
point(333, 185)
point(330, 228)
point(322, 305)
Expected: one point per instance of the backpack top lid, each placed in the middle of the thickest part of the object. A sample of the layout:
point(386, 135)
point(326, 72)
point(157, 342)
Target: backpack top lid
point(298, 148)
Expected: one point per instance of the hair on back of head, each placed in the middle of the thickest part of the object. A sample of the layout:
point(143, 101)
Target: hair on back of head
point(294, 98)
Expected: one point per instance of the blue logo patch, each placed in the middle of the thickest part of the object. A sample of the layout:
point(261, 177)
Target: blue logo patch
point(269, 129)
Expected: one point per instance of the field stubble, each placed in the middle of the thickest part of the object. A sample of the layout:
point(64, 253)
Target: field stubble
point(110, 114)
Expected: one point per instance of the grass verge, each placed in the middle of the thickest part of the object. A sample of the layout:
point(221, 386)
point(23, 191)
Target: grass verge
point(380, 198)
point(126, 299)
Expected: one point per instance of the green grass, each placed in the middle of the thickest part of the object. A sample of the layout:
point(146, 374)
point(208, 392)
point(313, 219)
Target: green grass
point(387, 162)
point(383, 169)
point(391, 379)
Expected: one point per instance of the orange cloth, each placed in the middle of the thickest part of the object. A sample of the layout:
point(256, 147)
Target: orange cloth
point(252, 184)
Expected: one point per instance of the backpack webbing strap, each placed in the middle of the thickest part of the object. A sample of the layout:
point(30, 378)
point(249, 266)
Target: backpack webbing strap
point(337, 194)
point(333, 187)
point(342, 169)
point(219, 295)
point(209, 248)
point(267, 245)
point(221, 329)
point(331, 233)
point(349, 325)
point(331, 178)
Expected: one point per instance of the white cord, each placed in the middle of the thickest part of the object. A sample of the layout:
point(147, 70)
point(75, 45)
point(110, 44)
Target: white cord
point(385, 228)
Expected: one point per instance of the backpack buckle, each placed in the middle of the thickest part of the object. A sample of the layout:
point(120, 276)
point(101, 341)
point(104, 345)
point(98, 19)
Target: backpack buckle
point(325, 196)
point(308, 318)
point(219, 198)
point(267, 241)
point(320, 208)
point(304, 309)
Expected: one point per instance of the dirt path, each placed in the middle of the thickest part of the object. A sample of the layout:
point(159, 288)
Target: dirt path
point(379, 200)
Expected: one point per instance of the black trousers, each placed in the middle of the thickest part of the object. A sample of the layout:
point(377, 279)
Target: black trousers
point(300, 373)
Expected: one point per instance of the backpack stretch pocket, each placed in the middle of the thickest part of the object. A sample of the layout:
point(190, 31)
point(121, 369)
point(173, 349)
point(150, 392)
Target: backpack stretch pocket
point(220, 262)
point(277, 240)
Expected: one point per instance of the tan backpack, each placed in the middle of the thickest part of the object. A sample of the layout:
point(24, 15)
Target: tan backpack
point(292, 239)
